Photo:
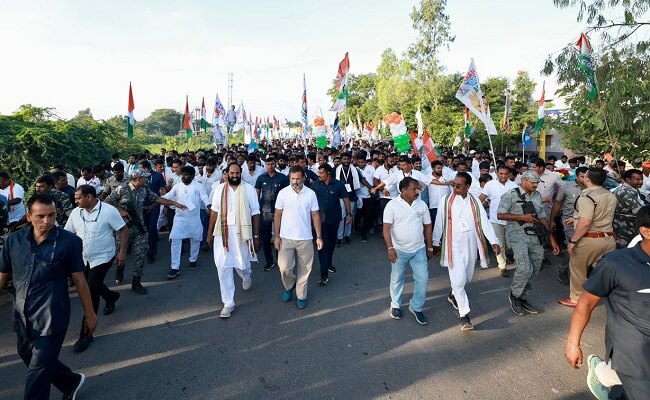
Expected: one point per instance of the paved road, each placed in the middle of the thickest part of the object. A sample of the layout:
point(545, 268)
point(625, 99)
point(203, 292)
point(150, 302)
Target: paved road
point(171, 344)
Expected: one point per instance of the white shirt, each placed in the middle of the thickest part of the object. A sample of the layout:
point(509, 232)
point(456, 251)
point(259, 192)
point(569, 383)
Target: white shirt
point(70, 178)
point(251, 197)
point(406, 223)
point(187, 223)
point(17, 211)
point(475, 188)
point(94, 182)
point(393, 180)
point(96, 230)
point(382, 174)
point(296, 215)
point(363, 192)
point(561, 165)
point(494, 190)
point(121, 161)
point(437, 192)
point(549, 185)
point(249, 178)
point(284, 171)
point(645, 187)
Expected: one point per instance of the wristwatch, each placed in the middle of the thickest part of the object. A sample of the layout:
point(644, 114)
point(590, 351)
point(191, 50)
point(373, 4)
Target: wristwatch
point(572, 242)
point(256, 236)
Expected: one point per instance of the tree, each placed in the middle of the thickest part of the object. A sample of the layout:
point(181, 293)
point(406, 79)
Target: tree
point(163, 121)
point(434, 29)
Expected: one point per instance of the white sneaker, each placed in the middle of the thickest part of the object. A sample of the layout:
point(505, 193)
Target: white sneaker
point(226, 311)
point(246, 283)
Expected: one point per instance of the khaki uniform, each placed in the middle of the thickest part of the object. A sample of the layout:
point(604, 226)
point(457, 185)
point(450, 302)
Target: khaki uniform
point(598, 205)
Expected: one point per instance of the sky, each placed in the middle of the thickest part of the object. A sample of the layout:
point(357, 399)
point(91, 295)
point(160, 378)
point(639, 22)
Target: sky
point(77, 54)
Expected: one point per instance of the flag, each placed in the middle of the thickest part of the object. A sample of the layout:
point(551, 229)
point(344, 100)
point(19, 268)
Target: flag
point(242, 119)
point(540, 110)
point(305, 123)
point(586, 64)
point(470, 94)
point(489, 125)
point(336, 132)
point(425, 148)
point(418, 117)
point(187, 120)
point(525, 137)
point(359, 123)
point(468, 128)
point(341, 84)
point(506, 114)
point(276, 123)
point(131, 121)
point(219, 111)
point(204, 120)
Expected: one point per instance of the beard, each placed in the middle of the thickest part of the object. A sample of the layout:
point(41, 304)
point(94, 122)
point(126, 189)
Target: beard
point(296, 186)
point(234, 181)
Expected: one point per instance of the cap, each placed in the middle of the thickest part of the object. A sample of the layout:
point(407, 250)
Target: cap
point(472, 151)
point(139, 173)
point(531, 176)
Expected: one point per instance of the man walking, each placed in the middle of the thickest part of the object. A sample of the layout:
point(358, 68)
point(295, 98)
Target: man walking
point(234, 230)
point(296, 209)
point(628, 203)
point(41, 302)
point(96, 223)
point(329, 193)
point(459, 230)
point(593, 236)
point(405, 219)
point(522, 208)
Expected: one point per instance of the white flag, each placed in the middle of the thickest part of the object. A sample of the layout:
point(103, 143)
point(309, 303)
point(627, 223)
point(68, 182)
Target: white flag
point(418, 116)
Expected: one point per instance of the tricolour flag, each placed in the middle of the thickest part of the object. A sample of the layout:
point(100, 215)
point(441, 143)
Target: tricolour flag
point(586, 64)
point(131, 121)
point(187, 120)
point(305, 123)
point(541, 110)
point(204, 120)
point(336, 132)
point(425, 148)
point(418, 117)
point(341, 83)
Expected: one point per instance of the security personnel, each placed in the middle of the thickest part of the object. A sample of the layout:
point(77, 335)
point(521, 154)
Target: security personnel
point(593, 235)
point(526, 245)
point(130, 200)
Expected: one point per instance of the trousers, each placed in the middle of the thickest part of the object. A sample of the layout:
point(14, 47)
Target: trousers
point(176, 248)
point(98, 290)
point(227, 283)
point(367, 211)
point(500, 232)
point(138, 242)
point(328, 233)
point(586, 253)
point(266, 229)
point(151, 224)
point(343, 228)
point(298, 255)
point(418, 262)
point(529, 254)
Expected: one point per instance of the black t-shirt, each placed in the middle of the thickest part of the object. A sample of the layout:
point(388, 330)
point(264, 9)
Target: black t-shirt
point(622, 277)
point(329, 203)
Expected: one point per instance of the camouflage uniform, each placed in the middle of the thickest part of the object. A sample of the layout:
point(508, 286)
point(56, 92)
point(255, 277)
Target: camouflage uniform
point(111, 184)
point(628, 204)
point(132, 200)
point(527, 249)
point(63, 206)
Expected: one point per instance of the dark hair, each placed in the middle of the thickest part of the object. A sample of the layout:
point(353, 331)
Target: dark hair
point(467, 177)
point(484, 165)
point(406, 182)
point(511, 157)
point(504, 167)
point(58, 175)
point(176, 161)
point(46, 179)
point(597, 176)
point(41, 198)
point(145, 164)
point(296, 168)
point(118, 167)
point(485, 178)
point(227, 167)
point(415, 159)
point(188, 170)
point(87, 169)
point(405, 159)
point(628, 174)
point(326, 167)
point(98, 169)
point(436, 163)
point(539, 162)
point(346, 154)
point(643, 218)
point(86, 190)
point(251, 157)
point(599, 162)
point(115, 155)
point(581, 170)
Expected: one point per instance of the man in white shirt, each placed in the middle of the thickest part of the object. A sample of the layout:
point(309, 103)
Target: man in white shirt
point(407, 228)
point(296, 209)
point(187, 223)
point(95, 223)
point(234, 231)
point(548, 186)
point(645, 188)
point(562, 163)
point(251, 171)
point(492, 191)
point(87, 178)
point(380, 175)
point(459, 229)
point(438, 188)
point(15, 194)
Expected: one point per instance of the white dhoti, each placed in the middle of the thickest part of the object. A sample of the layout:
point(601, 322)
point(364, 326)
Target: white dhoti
point(185, 228)
point(237, 258)
point(464, 252)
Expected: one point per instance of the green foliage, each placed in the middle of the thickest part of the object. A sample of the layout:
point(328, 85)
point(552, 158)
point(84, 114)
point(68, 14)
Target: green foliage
point(434, 30)
point(163, 121)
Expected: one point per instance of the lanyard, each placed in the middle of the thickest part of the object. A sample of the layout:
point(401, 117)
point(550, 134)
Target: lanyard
point(97, 217)
point(345, 176)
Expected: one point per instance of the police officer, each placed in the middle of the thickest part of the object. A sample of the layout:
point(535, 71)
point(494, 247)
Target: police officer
point(520, 233)
point(130, 200)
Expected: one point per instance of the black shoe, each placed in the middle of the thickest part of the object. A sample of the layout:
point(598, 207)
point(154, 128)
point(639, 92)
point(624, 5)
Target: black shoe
point(137, 287)
point(268, 267)
point(73, 395)
point(119, 275)
point(452, 300)
point(563, 276)
point(504, 273)
point(364, 239)
point(151, 259)
point(82, 344)
point(173, 273)
point(528, 307)
point(110, 305)
point(323, 281)
point(331, 269)
point(515, 305)
point(466, 324)
point(395, 313)
point(419, 317)
point(339, 243)
point(510, 260)
point(347, 240)
point(194, 265)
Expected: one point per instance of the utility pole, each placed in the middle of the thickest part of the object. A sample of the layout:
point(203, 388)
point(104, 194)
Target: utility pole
point(229, 89)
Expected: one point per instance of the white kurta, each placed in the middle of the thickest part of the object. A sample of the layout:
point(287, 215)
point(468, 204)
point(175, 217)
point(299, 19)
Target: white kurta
point(238, 254)
point(187, 223)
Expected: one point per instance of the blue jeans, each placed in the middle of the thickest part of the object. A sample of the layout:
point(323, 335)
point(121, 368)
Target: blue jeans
point(346, 229)
point(419, 265)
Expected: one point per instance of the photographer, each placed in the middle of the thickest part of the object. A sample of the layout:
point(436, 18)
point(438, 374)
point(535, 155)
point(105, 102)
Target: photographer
point(527, 231)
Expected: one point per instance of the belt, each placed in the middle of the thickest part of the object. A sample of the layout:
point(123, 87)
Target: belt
point(598, 234)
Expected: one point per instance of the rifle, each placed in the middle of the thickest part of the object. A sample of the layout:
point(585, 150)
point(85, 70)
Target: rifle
point(538, 229)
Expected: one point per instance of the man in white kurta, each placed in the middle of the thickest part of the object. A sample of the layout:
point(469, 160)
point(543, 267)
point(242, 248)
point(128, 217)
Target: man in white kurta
point(235, 239)
point(461, 223)
point(187, 223)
